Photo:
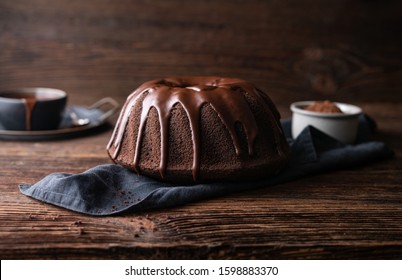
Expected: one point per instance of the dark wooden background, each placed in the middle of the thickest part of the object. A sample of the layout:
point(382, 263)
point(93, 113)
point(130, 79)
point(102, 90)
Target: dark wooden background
point(294, 50)
point(291, 49)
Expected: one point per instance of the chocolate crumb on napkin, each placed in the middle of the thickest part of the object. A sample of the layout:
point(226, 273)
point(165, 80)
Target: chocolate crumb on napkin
point(110, 189)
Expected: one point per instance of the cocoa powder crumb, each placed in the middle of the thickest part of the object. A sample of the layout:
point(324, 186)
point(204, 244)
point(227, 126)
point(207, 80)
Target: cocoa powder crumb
point(54, 218)
point(77, 223)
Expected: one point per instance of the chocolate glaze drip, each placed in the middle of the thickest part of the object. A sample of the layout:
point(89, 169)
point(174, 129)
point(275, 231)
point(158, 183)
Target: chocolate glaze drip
point(29, 103)
point(225, 96)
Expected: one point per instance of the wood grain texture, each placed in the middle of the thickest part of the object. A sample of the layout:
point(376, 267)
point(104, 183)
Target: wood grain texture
point(295, 50)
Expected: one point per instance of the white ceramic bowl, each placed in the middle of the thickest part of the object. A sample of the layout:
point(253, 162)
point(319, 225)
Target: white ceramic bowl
point(341, 126)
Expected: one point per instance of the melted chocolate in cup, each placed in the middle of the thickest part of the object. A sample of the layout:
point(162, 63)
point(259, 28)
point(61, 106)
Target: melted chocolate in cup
point(31, 108)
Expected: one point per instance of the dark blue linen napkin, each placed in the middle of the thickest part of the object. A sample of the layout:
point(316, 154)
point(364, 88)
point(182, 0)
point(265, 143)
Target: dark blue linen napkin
point(109, 189)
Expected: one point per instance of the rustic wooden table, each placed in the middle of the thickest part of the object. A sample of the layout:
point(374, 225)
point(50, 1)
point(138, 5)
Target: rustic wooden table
point(294, 50)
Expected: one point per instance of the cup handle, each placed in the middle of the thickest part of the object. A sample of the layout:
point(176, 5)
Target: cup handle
point(108, 102)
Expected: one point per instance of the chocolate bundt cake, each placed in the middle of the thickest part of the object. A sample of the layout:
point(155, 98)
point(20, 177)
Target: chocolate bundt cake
point(194, 129)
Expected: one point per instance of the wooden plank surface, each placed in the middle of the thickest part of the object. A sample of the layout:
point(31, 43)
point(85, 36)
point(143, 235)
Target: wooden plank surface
point(294, 50)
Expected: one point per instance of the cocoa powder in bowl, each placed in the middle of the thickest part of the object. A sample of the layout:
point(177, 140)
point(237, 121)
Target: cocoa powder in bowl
point(323, 107)
point(339, 122)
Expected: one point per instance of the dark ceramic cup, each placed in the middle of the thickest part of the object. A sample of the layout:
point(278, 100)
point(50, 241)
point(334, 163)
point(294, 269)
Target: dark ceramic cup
point(32, 108)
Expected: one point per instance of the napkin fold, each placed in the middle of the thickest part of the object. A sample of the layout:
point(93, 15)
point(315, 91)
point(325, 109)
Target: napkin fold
point(110, 189)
